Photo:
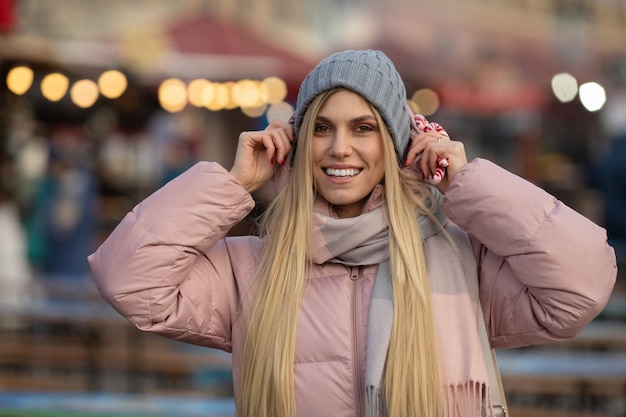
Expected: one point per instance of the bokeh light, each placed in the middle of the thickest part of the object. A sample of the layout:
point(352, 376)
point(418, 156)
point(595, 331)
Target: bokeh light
point(19, 80)
point(112, 84)
point(220, 99)
point(564, 87)
point(54, 86)
point(232, 104)
point(281, 111)
point(84, 93)
point(255, 112)
point(173, 95)
point(207, 94)
point(246, 94)
point(195, 91)
point(276, 89)
point(592, 96)
point(426, 100)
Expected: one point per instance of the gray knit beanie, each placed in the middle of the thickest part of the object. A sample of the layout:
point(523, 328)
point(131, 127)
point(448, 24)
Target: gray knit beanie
point(368, 73)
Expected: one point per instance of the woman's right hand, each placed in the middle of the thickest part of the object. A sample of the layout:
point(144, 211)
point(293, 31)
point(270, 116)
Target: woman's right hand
point(258, 152)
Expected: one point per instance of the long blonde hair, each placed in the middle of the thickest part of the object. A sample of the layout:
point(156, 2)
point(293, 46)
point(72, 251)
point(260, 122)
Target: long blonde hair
point(412, 380)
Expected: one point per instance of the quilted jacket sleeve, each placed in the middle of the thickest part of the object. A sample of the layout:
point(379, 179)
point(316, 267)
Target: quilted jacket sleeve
point(154, 268)
point(545, 271)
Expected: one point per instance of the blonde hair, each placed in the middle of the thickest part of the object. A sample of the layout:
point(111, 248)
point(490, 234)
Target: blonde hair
point(412, 380)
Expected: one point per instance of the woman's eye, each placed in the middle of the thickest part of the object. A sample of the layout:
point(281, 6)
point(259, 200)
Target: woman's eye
point(321, 129)
point(364, 128)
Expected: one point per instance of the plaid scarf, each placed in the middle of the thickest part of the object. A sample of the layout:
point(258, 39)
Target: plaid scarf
point(363, 240)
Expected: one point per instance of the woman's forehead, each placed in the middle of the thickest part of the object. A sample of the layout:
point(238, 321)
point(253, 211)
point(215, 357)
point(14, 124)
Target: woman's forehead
point(345, 102)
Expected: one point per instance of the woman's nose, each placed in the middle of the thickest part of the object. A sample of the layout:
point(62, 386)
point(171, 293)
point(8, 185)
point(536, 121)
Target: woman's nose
point(340, 146)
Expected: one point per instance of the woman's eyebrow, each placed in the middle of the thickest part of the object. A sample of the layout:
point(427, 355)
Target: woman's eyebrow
point(366, 117)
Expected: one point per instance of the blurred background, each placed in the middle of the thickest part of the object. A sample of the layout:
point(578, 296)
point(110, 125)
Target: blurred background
point(103, 101)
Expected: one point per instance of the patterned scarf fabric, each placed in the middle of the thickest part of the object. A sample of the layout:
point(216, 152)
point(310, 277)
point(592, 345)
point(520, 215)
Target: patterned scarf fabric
point(454, 295)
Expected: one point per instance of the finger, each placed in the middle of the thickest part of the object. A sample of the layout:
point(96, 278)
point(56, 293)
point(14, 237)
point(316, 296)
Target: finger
point(432, 155)
point(280, 124)
point(282, 143)
point(418, 145)
point(270, 148)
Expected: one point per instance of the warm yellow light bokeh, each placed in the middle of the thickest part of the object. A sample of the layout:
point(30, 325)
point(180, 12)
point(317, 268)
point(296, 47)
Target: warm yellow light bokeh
point(112, 84)
point(245, 93)
point(19, 80)
point(173, 95)
point(254, 112)
point(54, 86)
point(208, 92)
point(221, 98)
point(276, 89)
point(84, 93)
point(196, 91)
point(427, 101)
point(232, 104)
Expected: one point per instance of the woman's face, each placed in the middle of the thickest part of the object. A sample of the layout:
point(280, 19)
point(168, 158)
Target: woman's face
point(348, 158)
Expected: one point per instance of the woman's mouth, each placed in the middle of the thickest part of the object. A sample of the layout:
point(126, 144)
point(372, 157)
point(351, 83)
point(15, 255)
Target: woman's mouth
point(344, 172)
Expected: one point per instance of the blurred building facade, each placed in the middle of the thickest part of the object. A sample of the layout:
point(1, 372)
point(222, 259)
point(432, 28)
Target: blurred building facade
point(490, 63)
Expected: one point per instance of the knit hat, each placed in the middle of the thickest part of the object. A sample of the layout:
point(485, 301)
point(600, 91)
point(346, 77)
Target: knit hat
point(368, 73)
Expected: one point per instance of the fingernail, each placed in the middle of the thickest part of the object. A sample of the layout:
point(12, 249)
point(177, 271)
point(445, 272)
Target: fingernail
point(272, 160)
point(282, 162)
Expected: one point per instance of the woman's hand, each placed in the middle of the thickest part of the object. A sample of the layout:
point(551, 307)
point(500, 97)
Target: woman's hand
point(431, 152)
point(258, 152)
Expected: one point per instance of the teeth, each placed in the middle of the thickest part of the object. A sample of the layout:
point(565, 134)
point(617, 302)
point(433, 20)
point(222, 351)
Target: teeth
point(342, 172)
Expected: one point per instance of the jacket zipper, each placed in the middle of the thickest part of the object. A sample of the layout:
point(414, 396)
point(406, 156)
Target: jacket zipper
point(355, 274)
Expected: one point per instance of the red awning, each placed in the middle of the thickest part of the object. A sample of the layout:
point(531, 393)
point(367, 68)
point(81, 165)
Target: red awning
point(229, 52)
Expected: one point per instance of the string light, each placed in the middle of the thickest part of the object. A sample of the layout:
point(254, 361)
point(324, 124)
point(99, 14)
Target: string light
point(245, 93)
point(173, 95)
point(112, 84)
point(276, 89)
point(195, 90)
point(84, 93)
point(221, 98)
point(19, 80)
point(54, 86)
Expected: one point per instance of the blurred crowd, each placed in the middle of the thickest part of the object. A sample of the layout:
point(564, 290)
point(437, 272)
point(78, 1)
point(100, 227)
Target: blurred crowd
point(64, 186)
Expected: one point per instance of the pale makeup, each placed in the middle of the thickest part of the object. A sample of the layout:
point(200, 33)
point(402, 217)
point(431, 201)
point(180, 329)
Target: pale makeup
point(347, 152)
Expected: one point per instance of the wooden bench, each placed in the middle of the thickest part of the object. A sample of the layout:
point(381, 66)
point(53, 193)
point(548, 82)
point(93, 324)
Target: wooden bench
point(599, 335)
point(591, 382)
point(139, 361)
point(520, 411)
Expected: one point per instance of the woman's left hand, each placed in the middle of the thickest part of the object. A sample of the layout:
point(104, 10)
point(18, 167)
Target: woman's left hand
point(432, 151)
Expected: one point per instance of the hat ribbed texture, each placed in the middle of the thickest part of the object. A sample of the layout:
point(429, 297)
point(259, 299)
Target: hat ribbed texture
point(368, 73)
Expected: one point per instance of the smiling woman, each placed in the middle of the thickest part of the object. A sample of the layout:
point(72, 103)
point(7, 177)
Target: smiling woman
point(347, 151)
point(362, 295)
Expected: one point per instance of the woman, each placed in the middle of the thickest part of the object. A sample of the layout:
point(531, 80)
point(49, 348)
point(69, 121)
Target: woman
point(361, 296)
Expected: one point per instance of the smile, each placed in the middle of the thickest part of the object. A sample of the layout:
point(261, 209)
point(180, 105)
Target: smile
point(350, 172)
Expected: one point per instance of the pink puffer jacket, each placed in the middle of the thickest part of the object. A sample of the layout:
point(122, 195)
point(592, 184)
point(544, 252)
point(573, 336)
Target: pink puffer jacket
point(545, 272)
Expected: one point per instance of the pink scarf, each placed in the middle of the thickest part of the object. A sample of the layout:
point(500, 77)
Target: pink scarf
point(454, 294)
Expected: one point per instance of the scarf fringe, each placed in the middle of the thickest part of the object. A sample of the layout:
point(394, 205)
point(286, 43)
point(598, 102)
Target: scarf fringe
point(375, 402)
point(472, 399)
